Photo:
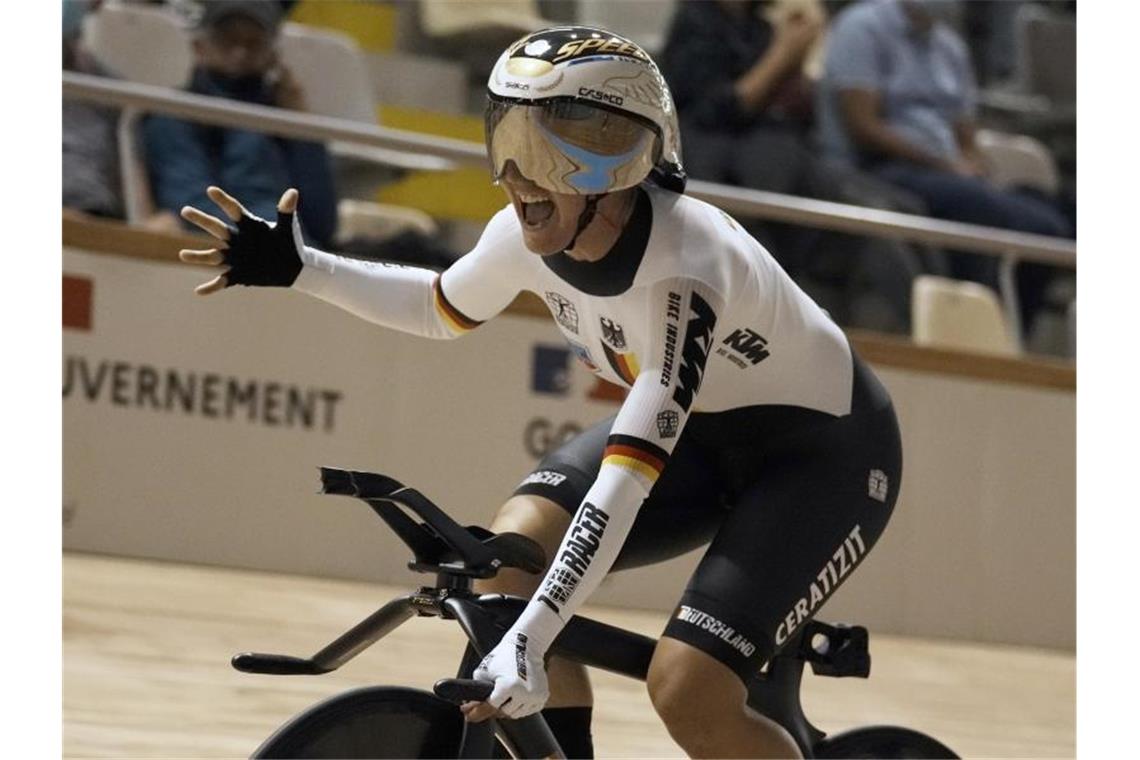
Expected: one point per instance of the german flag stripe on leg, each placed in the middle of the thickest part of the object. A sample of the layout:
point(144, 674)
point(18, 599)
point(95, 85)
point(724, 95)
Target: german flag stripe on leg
point(635, 454)
point(453, 317)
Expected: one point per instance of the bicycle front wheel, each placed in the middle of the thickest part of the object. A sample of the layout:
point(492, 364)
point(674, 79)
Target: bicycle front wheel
point(377, 721)
point(885, 742)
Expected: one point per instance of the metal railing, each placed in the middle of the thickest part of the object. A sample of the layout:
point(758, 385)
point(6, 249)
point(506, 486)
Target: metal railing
point(412, 150)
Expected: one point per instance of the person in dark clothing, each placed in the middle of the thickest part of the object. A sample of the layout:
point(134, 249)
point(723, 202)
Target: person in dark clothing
point(745, 109)
point(235, 58)
point(91, 182)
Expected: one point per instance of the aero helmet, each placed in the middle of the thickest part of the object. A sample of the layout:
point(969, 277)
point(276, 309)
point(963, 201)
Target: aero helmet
point(584, 111)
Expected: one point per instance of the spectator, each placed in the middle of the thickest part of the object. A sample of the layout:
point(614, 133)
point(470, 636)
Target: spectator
point(740, 93)
point(91, 182)
point(235, 58)
point(746, 109)
point(898, 99)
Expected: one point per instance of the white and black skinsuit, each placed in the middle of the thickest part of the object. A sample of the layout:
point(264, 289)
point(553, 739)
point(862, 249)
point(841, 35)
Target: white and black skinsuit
point(748, 420)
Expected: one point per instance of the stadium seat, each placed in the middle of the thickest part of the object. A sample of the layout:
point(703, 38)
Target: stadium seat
point(1043, 87)
point(959, 315)
point(1018, 161)
point(474, 34)
point(318, 57)
point(331, 70)
point(644, 21)
point(1047, 49)
point(140, 43)
point(377, 221)
point(447, 18)
point(408, 80)
point(138, 202)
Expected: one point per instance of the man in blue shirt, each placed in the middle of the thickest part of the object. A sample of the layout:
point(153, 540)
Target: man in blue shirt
point(898, 98)
point(745, 110)
point(235, 58)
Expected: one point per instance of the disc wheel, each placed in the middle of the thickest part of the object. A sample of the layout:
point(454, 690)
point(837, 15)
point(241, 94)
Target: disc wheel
point(885, 742)
point(374, 722)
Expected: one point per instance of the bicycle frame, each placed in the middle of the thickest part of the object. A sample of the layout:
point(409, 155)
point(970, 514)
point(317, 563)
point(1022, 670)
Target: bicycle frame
point(485, 618)
point(458, 555)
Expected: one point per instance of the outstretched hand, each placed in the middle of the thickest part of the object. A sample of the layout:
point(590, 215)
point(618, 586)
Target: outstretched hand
point(252, 250)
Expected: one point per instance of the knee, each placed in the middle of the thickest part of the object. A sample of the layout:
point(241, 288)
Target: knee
point(540, 520)
point(685, 704)
point(672, 698)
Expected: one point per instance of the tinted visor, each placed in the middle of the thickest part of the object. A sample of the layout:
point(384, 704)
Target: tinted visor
point(567, 146)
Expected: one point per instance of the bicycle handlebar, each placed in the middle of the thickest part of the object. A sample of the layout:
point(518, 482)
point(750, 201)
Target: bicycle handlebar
point(439, 538)
point(460, 690)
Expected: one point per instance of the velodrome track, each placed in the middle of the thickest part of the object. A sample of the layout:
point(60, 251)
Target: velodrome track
point(147, 648)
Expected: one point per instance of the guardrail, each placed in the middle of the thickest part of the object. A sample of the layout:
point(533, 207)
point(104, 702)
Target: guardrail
point(763, 205)
point(413, 150)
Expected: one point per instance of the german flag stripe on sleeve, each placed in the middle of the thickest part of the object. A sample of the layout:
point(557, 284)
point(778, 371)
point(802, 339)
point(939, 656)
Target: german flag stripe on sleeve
point(635, 454)
point(623, 364)
point(455, 319)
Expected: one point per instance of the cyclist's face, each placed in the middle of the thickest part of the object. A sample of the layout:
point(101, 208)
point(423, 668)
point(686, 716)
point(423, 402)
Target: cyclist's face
point(549, 220)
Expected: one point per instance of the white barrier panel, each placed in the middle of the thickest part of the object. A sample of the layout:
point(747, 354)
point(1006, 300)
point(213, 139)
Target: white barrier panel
point(193, 428)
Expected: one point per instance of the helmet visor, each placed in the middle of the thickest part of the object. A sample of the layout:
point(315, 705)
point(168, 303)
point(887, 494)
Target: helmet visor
point(566, 146)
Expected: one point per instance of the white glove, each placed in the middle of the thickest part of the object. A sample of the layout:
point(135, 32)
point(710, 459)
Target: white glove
point(517, 670)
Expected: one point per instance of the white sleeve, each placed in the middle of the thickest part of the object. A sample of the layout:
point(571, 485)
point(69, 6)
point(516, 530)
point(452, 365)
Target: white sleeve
point(684, 315)
point(419, 301)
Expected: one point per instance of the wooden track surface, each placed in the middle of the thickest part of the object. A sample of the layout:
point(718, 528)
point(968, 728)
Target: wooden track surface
point(147, 648)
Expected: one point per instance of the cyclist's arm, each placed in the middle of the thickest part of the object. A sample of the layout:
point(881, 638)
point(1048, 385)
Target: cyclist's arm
point(684, 313)
point(414, 300)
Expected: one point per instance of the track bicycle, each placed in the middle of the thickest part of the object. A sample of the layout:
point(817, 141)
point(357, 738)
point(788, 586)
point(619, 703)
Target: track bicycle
point(396, 721)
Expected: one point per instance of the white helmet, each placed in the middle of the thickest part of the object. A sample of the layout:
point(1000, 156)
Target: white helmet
point(581, 110)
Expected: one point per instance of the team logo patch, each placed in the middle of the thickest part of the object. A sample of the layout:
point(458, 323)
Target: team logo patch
point(695, 351)
point(563, 311)
point(520, 655)
point(583, 355)
point(613, 333)
point(544, 477)
point(561, 585)
point(877, 485)
point(842, 562)
point(667, 422)
point(726, 633)
point(744, 348)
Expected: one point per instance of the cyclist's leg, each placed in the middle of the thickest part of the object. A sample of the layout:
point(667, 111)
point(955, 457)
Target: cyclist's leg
point(703, 704)
point(676, 518)
point(789, 542)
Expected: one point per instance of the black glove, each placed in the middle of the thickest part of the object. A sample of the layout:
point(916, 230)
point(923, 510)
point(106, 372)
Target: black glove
point(264, 254)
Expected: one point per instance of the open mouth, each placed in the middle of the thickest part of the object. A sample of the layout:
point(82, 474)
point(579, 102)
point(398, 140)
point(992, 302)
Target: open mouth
point(536, 209)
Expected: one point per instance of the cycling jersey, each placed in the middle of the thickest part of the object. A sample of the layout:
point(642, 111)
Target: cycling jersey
point(687, 310)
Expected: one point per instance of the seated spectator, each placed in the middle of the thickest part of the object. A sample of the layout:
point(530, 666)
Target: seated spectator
point(898, 98)
point(739, 92)
point(91, 182)
point(235, 58)
point(745, 109)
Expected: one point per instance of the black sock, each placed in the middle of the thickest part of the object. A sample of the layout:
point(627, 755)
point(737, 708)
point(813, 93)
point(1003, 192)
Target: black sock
point(571, 727)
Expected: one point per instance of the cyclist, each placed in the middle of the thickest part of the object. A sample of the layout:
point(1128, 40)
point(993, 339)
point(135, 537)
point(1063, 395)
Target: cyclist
point(749, 422)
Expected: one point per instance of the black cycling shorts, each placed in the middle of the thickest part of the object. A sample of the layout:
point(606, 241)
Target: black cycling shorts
point(790, 499)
